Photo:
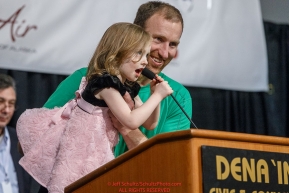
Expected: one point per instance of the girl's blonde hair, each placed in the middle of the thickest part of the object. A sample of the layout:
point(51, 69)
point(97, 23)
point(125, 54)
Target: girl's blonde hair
point(119, 42)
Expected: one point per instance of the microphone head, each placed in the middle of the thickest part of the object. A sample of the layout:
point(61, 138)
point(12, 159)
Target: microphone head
point(147, 73)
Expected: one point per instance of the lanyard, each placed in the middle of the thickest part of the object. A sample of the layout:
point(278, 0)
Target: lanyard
point(6, 155)
point(5, 140)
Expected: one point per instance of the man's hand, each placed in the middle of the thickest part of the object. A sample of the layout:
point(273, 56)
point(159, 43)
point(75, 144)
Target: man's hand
point(132, 138)
point(123, 130)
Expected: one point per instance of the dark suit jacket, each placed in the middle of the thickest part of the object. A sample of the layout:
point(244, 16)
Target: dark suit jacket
point(25, 181)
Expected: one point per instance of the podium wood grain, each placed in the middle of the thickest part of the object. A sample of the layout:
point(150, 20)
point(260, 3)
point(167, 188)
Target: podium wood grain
point(173, 157)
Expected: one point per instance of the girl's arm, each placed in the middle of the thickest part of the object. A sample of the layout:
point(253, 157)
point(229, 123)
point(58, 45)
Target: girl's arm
point(153, 119)
point(133, 119)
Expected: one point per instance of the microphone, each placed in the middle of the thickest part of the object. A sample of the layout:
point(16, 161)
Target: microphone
point(150, 75)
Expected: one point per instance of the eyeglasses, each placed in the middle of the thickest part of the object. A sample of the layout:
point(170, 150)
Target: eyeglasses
point(7, 104)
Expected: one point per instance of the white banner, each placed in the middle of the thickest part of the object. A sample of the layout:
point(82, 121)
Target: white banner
point(222, 46)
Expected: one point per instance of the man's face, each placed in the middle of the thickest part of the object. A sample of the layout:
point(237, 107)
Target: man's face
point(166, 37)
point(7, 105)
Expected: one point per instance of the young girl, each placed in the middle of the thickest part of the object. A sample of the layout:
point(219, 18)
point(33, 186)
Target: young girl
point(64, 144)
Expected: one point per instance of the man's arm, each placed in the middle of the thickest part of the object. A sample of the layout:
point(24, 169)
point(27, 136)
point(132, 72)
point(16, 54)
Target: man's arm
point(132, 138)
point(66, 89)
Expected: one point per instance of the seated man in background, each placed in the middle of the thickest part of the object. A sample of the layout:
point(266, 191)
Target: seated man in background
point(13, 178)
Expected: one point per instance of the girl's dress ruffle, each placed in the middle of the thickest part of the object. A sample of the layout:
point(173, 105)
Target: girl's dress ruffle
point(56, 148)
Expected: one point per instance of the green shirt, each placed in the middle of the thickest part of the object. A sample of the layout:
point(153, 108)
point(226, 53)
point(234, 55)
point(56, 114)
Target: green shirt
point(171, 116)
point(66, 90)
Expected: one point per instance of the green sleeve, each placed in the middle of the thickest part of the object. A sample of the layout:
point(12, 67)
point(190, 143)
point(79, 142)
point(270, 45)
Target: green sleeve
point(176, 119)
point(66, 89)
point(172, 118)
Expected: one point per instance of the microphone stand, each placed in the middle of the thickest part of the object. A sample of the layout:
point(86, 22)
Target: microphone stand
point(150, 75)
point(183, 111)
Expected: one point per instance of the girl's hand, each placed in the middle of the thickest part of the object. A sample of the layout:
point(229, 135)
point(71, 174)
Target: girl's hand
point(155, 81)
point(163, 89)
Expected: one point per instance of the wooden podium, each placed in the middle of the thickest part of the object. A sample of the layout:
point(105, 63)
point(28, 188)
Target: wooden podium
point(173, 162)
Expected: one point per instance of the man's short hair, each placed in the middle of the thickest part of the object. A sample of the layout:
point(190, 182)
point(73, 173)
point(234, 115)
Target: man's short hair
point(7, 81)
point(146, 10)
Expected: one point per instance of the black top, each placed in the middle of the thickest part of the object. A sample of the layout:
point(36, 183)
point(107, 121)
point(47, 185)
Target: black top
point(107, 81)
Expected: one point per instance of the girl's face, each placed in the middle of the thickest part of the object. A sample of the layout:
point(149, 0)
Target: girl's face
point(132, 67)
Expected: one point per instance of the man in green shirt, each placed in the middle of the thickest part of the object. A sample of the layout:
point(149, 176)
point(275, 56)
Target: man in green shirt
point(165, 24)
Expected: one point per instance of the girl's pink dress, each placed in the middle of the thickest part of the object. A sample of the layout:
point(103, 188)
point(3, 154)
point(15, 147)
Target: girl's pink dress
point(64, 144)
